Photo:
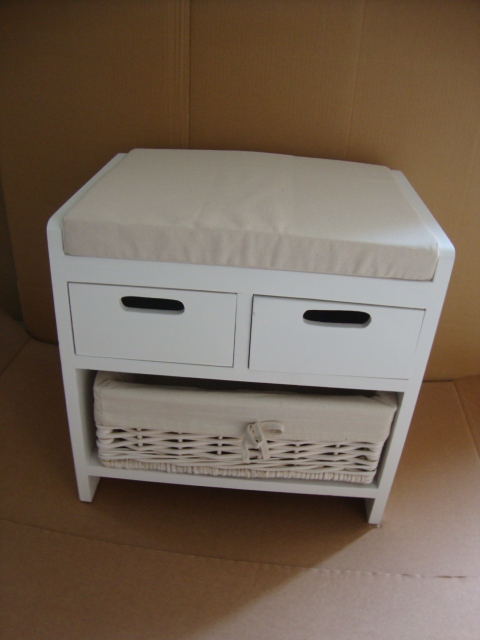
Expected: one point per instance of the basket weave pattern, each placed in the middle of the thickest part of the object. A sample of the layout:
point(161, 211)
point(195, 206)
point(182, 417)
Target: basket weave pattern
point(222, 456)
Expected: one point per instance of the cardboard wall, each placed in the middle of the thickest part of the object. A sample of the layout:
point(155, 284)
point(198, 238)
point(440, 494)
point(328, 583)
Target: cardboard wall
point(9, 300)
point(393, 82)
point(81, 81)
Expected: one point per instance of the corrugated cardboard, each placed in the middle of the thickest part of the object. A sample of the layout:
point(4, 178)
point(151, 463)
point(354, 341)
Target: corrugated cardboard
point(81, 82)
point(68, 587)
point(12, 339)
point(394, 83)
point(468, 390)
point(147, 560)
point(9, 300)
point(274, 76)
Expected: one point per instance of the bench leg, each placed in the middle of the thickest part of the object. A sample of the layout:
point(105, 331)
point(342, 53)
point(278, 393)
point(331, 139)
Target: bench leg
point(87, 486)
point(375, 508)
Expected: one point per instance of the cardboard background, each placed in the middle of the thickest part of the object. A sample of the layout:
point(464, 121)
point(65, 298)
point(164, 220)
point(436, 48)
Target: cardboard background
point(9, 301)
point(162, 561)
point(394, 83)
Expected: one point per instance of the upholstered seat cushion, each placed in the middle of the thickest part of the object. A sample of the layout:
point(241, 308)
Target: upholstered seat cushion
point(249, 209)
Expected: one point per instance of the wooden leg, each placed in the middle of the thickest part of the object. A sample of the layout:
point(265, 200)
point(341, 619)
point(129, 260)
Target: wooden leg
point(87, 486)
point(375, 508)
point(78, 385)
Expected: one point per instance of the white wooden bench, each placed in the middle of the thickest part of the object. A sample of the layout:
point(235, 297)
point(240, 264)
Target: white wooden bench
point(247, 267)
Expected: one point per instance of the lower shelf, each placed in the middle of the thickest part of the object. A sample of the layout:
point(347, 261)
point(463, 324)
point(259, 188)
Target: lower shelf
point(143, 424)
point(312, 487)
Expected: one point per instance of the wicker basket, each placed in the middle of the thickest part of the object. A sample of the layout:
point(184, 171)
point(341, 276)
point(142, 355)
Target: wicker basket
point(240, 433)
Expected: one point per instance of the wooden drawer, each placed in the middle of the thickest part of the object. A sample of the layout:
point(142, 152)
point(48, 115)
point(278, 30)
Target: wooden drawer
point(165, 325)
point(322, 337)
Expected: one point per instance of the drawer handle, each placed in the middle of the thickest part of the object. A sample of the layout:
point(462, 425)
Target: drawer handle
point(338, 318)
point(153, 304)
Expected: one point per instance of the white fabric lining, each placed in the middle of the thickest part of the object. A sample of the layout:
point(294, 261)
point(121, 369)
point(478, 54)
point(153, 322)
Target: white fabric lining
point(120, 402)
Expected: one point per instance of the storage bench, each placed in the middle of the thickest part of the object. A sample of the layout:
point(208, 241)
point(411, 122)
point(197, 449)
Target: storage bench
point(251, 268)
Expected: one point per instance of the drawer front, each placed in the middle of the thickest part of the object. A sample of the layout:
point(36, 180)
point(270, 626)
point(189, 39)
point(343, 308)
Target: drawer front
point(164, 325)
point(321, 337)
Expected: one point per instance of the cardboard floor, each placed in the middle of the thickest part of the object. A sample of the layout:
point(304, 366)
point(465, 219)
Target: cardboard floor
point(171, 562)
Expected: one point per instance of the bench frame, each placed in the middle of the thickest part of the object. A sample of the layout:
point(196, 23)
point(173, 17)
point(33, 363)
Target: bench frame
point(79, 370)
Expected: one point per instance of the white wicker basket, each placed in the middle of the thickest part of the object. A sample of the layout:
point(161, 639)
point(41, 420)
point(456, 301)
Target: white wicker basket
point(240, 433)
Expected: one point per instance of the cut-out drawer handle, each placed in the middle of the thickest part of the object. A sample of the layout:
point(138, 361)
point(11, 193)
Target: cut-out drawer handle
point(141, 303)
point(337, 318)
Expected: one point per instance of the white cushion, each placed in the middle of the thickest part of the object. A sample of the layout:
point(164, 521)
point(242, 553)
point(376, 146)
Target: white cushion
point(248, 209)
